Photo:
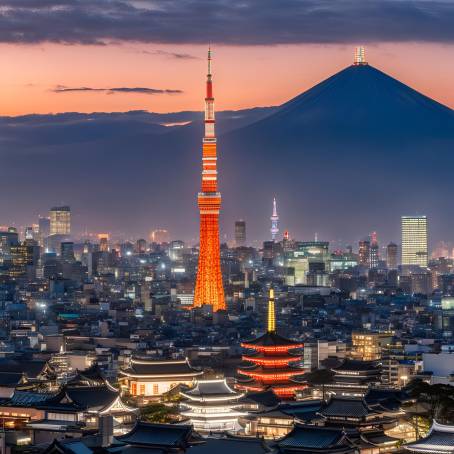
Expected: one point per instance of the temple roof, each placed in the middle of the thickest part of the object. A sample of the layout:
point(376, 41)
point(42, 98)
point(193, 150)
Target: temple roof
point(92, 376)
point(158, 435)
point(212, 388)
point(348, 407)
point(272, 371)
point(27, 398)
point(160, 367)
point(31, 368)
point(266, 398)
point(67, 447)
point(440, 440)
point(229, 446)
point(388, 399)
point(272, 339)
point(314, 438)
point(93, 397)
point(11, 378)
point(353, 365)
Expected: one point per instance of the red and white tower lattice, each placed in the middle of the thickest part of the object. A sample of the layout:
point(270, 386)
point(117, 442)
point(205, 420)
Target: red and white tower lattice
point(208, 288)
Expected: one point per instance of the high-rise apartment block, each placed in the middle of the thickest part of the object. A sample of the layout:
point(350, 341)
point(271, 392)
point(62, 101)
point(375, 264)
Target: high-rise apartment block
point(414, 240)
point(240, 233)
point(60, 220)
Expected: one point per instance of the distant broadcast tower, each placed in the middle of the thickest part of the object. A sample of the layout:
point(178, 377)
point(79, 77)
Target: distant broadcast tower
point(360, 56)
point(274, 221)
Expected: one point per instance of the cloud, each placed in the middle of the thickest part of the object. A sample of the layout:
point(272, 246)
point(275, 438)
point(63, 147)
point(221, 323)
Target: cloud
point(233, 22)
point(143, 90)
point(178, 56)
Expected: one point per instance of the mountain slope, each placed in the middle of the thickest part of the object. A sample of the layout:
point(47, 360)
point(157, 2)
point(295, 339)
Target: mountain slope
point(348, 156)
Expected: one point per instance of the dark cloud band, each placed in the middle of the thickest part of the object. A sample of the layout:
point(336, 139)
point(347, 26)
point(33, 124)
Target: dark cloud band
point(142, 90)
point(233, 22)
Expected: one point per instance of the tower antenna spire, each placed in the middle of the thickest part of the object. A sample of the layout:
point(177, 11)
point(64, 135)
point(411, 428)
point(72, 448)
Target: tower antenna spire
point(360, 56)
point(274, 221)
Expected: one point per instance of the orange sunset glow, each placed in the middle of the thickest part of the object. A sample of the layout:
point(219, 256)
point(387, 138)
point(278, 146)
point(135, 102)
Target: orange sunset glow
point(247, 76)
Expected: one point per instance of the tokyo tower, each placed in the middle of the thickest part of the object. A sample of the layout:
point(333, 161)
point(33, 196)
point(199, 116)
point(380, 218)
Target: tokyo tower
point(208, 287)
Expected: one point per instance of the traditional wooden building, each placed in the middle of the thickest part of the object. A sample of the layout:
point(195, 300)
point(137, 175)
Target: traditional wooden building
point(77, 406)
point(212, 406)
point(314, 439)
point(440, 440)
point(149, 379)
point(353, 378)
point(271, 361)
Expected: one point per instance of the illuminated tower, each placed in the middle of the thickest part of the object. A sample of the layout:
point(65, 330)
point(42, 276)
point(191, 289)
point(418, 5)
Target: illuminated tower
point(274, 221)
point(208, 288)
point(360, 56)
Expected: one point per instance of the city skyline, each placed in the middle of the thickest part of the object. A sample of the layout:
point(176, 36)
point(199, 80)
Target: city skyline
point(113, 73)
point(272, 275)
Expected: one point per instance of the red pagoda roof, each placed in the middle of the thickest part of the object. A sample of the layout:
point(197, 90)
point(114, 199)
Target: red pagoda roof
point(272, 339)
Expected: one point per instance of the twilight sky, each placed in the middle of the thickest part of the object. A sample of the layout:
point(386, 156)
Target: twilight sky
point(121, 55)
point(118, 55)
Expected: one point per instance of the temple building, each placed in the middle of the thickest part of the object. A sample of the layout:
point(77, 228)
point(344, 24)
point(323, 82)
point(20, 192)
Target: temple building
point(212, 406)
point(74, 408)
point(314, 439)
point(439, 440)
point(354, 378)
point(148, 379)
point(271, 361)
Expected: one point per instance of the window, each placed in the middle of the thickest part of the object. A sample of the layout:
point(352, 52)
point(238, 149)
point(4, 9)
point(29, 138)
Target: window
point(134, 389)
point(155, 389)
point(142, 390)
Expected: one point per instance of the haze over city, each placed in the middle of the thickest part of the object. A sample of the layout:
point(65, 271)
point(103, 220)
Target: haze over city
point(121, 64)
point(226, 227)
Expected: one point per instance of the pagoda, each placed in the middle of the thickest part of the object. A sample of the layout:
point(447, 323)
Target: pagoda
point(271, 361)
point(212, 406)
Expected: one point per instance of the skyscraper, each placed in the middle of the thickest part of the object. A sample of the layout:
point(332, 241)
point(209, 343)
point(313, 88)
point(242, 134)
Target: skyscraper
point(374, 256)
point(208, 288)
point(60, 220)
point(364, 252)
point(240, 233)
point(414, 240)
point(274, 221)
point(391, 256)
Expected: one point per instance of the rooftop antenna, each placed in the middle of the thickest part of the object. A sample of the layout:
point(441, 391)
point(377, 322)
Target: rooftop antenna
point(360, 56)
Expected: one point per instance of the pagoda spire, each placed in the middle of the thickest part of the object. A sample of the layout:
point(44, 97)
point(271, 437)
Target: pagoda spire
point(271, 313)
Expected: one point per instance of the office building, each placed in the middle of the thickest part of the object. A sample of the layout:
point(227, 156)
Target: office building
point(391, 256)
point(367, 346)
point(60, 220)
point(374, 255)
point(364, 253)
point(159, 236)
point(414, 240)
point(240, 233)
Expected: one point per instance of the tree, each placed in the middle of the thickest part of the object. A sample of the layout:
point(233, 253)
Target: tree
point(158, 413)
point(437, 400)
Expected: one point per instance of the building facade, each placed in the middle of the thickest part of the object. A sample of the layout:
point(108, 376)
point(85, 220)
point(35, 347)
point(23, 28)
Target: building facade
point(414, 240)
point(60, 220)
